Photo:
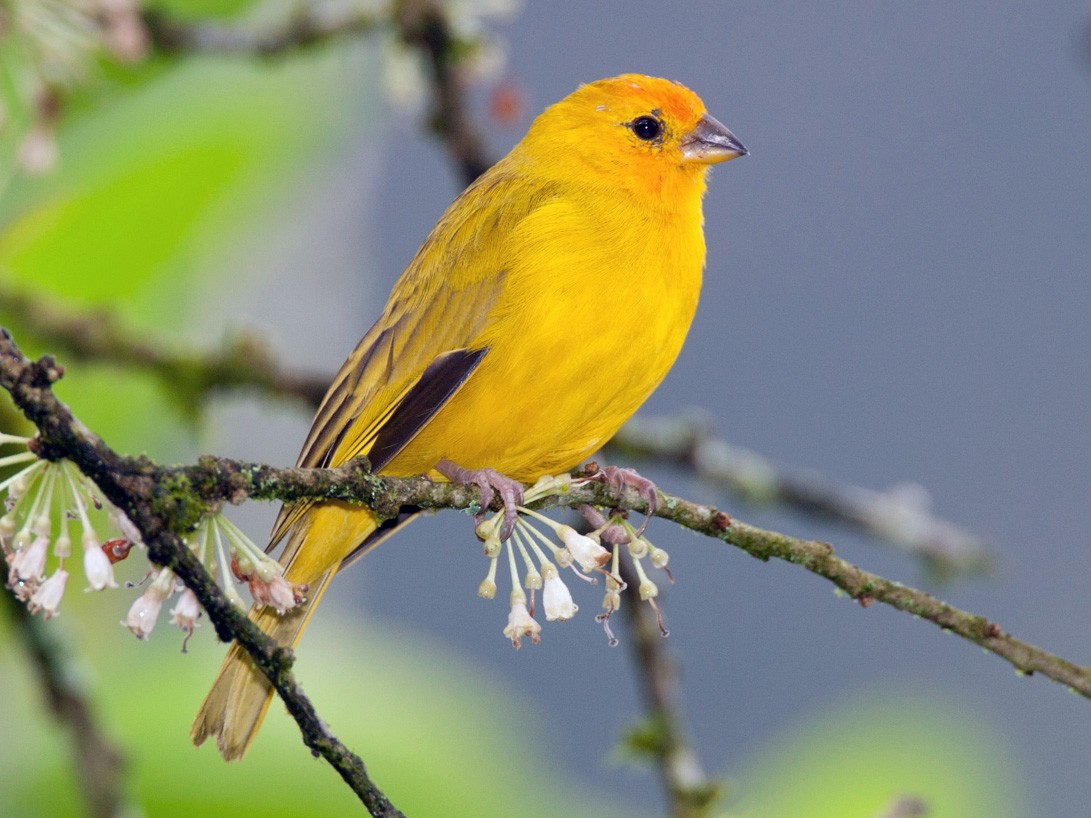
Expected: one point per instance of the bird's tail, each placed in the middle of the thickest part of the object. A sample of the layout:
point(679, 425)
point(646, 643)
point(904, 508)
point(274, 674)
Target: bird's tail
point(234, 708)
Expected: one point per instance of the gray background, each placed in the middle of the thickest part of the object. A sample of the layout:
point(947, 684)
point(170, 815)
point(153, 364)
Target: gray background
point(897, 289)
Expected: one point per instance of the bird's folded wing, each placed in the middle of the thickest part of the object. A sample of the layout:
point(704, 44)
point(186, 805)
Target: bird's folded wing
point(422, 349)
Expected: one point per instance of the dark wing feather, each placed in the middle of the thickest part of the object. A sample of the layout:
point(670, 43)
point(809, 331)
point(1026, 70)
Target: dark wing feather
point(436, 386)
point(438, 307)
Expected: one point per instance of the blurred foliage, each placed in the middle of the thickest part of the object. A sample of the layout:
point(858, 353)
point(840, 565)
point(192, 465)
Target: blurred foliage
point(856, 760)
point(154, 191)
point(440, 737)
point(202, 9)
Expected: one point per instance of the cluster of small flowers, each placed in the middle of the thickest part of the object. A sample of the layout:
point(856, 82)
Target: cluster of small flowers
point(33, 496)
point(46, 500)
point(228, 554)
point(577, 551)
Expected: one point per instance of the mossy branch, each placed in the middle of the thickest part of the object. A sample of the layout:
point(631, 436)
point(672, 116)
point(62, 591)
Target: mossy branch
point(165, 501)
point(244, 363)
point(900, 517)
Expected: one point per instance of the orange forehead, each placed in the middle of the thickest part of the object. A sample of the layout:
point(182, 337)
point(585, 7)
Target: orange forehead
point(636, 92)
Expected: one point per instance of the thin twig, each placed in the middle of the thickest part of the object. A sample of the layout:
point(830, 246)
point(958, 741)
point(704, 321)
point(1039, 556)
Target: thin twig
point(244, 362)
point(308, 25)
point(689, 791)
point(900, 516)
point(100, 765)
point(424, 25)
point(173, 499)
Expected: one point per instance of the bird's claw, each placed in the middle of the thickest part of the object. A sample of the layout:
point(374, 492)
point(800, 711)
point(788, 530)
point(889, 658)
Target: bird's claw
point(619, 479)
point(490, 482)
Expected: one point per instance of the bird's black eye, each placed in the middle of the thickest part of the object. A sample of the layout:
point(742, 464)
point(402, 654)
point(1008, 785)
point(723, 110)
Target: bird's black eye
point(646, 127)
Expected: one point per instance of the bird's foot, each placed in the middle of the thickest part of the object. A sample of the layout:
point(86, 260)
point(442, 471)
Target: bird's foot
point(619, 479)
point(490, 482)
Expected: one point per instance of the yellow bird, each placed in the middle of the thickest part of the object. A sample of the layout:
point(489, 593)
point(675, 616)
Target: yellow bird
point(539, 314)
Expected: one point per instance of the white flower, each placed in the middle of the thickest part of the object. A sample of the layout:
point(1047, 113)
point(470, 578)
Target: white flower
point(556, 598)
point(145, 611)
point(588, 553)
point(96, 565)
point(277, 592)
point(521, 623)
point(44, 502)
point(48, 597)
point(185, 613)
point(610, 603)
point(532, 547)
point(28, 564)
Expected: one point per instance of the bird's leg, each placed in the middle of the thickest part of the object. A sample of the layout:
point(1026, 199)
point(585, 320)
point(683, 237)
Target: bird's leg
point(618, 479)
point(489, 481)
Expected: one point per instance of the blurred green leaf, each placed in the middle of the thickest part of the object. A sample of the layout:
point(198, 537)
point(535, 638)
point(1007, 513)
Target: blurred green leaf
point(200, 9)
point(439, 737)
point(856, 760)
point(159, 186)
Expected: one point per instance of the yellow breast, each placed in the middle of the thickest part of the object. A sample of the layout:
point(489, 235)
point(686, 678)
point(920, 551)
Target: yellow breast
point(597, 300)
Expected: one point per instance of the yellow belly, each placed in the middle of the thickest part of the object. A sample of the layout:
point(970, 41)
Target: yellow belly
point(570, 360)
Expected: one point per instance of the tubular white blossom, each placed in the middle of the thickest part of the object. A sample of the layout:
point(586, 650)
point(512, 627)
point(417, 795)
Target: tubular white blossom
point(556, 598)
point(278, 592)
point(492, 545)
point(487, 588)
point(96, 565)
point(185, 612)
point(145, 611)
point(585, 554)
point(638, 546)
point(647, 589)
point(533, 580)
point(62, 546)
point(520, 623)
point(588, 553)
point(48, 596)
point(29, 561)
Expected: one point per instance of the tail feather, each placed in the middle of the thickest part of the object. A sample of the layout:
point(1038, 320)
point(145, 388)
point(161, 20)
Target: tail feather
point(234, 708)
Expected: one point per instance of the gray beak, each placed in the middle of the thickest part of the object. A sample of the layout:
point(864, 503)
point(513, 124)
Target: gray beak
point(711, 142)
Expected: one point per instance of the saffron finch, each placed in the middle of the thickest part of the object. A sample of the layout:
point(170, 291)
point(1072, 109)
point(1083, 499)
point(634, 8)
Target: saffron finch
point(543, 309)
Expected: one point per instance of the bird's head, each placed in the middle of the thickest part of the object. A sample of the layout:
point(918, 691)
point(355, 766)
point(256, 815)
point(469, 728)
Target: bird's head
point(632, 131)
